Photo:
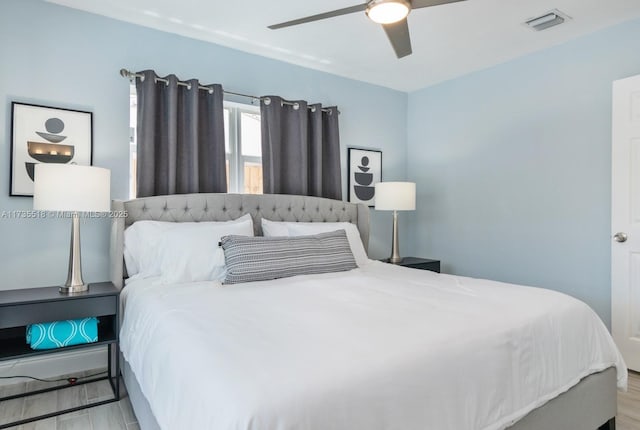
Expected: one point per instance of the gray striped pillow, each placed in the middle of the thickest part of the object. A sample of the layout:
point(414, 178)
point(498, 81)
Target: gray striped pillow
point(262, 258)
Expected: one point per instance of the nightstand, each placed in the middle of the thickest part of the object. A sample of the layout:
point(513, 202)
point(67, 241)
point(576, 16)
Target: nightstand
point(19, 308)
point(418, 263)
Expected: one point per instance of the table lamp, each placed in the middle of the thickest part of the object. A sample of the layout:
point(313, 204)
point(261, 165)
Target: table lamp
point(395, 196)
point(72, 189)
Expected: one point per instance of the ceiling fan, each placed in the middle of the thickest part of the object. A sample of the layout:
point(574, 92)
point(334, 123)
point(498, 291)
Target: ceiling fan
point(392, 14)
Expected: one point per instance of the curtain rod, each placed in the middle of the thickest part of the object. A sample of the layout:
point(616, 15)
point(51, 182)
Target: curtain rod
point(132, 75)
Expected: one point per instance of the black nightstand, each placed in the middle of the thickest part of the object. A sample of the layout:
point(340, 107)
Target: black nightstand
point(418, 263)
point(19, 308)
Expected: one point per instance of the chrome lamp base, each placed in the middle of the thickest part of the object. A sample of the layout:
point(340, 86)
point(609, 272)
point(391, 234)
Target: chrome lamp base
point(73, 289)
point(395, 254)
point(74, 283)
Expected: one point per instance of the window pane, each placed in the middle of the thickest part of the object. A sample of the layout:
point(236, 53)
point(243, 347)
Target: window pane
point(133, 107)
point(251, 134)
point(252, 178)
point(133, 123)
point(227, 113)
point(133, 174)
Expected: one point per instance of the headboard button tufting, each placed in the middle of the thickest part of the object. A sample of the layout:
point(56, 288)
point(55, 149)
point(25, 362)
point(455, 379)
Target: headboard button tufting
point(213, 207)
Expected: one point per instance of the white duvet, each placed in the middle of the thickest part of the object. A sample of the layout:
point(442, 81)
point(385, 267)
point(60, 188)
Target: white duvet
point(379, 347)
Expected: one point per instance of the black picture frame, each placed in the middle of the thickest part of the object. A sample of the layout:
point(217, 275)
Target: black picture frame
point(46, 134)
point(364, 167)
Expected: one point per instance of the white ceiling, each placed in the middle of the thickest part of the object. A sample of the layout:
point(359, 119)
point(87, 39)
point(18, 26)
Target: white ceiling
point(448, 41)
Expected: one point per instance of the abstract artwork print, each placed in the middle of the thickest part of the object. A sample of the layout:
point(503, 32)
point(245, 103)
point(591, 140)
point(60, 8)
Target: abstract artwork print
point(41, 134)
point(365, 169)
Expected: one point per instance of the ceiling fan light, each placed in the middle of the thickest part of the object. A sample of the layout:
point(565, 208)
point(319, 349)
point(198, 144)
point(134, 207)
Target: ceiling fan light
point(388, 11)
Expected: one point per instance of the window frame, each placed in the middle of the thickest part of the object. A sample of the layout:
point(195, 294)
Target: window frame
point(133, 142)
point(234, 157)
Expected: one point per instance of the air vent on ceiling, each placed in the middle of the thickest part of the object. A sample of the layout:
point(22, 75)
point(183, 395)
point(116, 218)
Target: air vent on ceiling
point(549, 19)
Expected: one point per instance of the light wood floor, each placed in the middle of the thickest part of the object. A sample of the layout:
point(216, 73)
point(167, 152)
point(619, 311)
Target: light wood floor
point(120, 416)
point(112, 416)
point(629, 405)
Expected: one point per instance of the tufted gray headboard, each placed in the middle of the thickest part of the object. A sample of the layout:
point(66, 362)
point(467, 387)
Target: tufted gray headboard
point(224, 207)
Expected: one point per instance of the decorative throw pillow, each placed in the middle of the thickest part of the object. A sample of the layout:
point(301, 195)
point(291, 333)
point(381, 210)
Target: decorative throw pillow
point(287, 228)
point(263, 258)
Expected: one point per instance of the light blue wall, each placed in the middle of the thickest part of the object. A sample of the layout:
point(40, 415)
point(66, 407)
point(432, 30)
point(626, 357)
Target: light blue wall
point(512, 163)
point(513, 167)
point(58, 56)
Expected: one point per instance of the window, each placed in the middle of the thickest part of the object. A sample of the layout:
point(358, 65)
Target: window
point(243, 147)
point(133, 122)
point(243, 143)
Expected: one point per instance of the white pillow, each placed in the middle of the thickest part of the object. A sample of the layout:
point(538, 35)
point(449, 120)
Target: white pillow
point(275, 228)
point(142, 238)
point(192, 253)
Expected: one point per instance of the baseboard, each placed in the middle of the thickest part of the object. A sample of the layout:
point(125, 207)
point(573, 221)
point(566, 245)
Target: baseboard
point(56, 364)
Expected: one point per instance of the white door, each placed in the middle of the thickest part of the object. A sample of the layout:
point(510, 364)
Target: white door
point(625, 220)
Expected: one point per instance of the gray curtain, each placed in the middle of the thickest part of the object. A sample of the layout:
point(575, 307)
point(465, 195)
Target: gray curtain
point(300, 149)
point(180, 147)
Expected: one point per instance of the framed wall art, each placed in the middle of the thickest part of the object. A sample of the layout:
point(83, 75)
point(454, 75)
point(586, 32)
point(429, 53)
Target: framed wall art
point(44, 134)
point(365, 169)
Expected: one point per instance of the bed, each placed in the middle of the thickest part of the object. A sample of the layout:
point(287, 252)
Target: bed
point(355, 349)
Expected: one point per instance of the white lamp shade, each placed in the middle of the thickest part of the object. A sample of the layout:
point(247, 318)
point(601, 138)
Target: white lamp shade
point(395, 196)
point(73, 188)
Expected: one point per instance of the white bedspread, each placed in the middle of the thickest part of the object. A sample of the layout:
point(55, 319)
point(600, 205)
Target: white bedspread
point(380, 347)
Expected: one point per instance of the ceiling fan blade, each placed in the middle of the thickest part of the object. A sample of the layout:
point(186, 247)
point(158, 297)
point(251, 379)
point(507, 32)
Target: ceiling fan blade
point(417, 4)
point(398, 34)
point(318, 17)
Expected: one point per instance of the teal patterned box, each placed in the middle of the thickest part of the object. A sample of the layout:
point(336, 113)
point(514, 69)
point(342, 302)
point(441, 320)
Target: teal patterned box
point(59, 334)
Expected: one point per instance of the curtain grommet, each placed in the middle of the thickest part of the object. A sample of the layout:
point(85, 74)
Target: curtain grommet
point(210, 90)
point(141, 78)
point(267, 101)
point(313, 108)
point(296, 106)
point(189, 86)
